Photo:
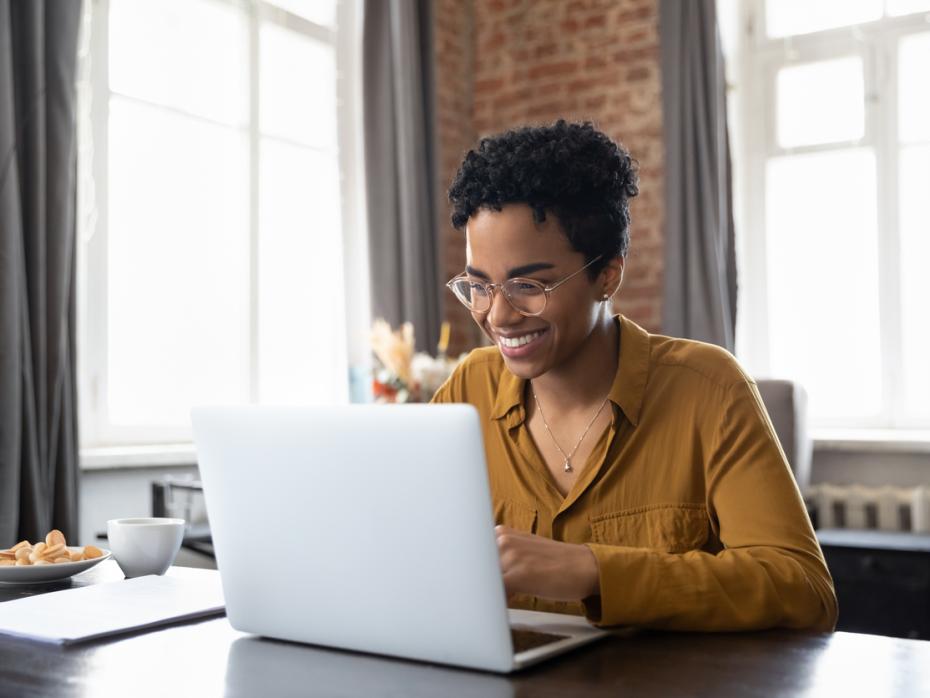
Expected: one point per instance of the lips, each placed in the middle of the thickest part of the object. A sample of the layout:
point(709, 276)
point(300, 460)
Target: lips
point(521, 346)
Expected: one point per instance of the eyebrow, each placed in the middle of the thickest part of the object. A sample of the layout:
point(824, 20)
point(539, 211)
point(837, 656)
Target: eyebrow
point(516, 271)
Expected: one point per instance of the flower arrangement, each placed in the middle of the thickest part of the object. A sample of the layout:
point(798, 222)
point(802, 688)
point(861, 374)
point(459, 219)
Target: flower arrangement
point(404, 375)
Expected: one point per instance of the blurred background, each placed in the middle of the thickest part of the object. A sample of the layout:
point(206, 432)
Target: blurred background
point(222, 196)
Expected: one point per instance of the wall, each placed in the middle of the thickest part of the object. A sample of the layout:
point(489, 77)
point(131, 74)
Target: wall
point(453, 45)
point(114, 493)
point(870, 465)
point(505, 63)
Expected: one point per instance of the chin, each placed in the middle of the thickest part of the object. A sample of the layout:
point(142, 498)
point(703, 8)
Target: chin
point(527, 370)
point(519, 371)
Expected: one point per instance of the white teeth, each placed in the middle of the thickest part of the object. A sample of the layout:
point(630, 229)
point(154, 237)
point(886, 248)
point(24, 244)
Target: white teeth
point(513, 342)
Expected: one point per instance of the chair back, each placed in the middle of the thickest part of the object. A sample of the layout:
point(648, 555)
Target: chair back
point(786, 402)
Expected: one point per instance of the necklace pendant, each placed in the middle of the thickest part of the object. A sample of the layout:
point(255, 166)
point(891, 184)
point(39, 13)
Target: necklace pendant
point(568, 466)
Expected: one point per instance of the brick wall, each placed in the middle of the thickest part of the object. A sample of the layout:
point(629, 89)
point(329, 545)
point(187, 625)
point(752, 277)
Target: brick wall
point(453, 45)
point(505, 63)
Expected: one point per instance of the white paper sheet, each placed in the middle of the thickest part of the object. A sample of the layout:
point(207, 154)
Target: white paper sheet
point(72, 615)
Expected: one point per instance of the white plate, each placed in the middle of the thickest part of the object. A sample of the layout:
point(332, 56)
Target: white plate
point(30, 574)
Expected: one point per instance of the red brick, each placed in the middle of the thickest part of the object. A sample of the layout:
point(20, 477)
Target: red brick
point(546, 50)
point(487, 86)
point(595, 63)
point(534, 61)
point(584, 85)
point(548, 70)
point(595, 103)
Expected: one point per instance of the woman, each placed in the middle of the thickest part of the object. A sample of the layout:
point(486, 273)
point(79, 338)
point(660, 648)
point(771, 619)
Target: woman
point(635, 478)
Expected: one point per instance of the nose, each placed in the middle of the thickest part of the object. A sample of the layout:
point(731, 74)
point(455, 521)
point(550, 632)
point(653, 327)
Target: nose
point(501, 313)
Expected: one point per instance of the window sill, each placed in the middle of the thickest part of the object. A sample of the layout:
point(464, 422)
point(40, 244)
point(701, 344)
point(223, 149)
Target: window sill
point(179, 455)
point(152, 456)
point(872, 440)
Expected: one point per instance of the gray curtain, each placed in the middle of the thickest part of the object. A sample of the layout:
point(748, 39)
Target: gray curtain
point(700, 257)
point(400, 170)
point(38, 410)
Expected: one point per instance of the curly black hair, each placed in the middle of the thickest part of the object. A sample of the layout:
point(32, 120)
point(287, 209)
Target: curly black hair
point(571, 170)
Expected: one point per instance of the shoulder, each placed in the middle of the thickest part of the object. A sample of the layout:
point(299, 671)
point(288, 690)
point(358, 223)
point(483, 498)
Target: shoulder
point(700, 362)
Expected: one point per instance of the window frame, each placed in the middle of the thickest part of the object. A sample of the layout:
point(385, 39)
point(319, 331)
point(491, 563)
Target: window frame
point(96, 431)
point(758, 55)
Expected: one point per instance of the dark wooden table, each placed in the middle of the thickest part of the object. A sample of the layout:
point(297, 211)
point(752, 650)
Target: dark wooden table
point(209, 658)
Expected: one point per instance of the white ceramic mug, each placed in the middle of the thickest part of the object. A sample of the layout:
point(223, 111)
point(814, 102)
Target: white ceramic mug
point(145, 546)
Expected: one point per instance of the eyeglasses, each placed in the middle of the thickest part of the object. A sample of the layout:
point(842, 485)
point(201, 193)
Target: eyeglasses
point(527, 296)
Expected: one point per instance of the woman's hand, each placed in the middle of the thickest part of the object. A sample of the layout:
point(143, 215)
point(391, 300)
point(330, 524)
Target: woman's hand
point(546, 568)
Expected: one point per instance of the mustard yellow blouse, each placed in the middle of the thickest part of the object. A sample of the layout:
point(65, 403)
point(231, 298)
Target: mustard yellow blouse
point(686, 501)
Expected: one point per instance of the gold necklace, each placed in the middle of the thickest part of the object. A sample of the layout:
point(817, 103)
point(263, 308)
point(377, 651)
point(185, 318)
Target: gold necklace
point(568, 458)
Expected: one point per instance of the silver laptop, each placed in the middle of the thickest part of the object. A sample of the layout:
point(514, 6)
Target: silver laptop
point(366, 528)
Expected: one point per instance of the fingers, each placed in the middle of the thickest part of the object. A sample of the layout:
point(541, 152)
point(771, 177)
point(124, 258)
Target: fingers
point(507, 535)
point(511, 558)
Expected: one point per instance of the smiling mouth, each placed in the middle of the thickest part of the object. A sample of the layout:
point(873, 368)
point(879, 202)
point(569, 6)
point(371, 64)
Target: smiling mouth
point(515, 342)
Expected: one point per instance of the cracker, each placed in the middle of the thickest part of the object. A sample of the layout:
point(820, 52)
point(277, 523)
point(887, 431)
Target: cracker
point(37, 552)
point(51, 551)
point(55, 537)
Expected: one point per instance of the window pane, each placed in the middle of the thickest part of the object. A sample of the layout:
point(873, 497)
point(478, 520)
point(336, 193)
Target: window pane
point(729, 27)
point(915, 280)
point(187, 54)
point(906, 7)
point(914, 88)
point(820, 102)
point(177, 267)
point(787, 17)
point(301, 324)
point(319, 11)
point(823, 279)
point(298, 88)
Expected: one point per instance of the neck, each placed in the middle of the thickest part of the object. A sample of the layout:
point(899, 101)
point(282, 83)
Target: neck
point(586, 377)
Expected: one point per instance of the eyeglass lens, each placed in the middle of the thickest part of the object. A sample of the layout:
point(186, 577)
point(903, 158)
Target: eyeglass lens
point(524, 295)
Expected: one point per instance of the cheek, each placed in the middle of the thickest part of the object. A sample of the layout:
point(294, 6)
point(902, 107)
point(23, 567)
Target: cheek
point(480, 319)
point(573, 322)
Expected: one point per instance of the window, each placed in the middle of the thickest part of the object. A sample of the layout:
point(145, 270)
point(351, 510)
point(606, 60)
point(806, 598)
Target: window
point(217, 199)
point(831, 107)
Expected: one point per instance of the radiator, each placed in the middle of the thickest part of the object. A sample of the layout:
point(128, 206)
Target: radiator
point(879, 508)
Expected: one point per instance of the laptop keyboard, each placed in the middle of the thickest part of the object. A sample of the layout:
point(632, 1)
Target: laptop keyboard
point(524, 640)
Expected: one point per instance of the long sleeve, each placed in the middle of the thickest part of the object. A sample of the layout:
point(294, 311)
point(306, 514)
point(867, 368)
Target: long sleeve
point(771, 571)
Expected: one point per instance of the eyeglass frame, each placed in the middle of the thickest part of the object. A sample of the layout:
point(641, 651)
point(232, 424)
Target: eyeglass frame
point(492, 287)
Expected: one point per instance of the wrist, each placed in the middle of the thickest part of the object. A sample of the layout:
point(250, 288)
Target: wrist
point(592, 573)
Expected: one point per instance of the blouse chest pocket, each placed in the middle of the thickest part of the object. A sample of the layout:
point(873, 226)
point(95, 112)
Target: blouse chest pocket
point(672, 528)
point(515, 515)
